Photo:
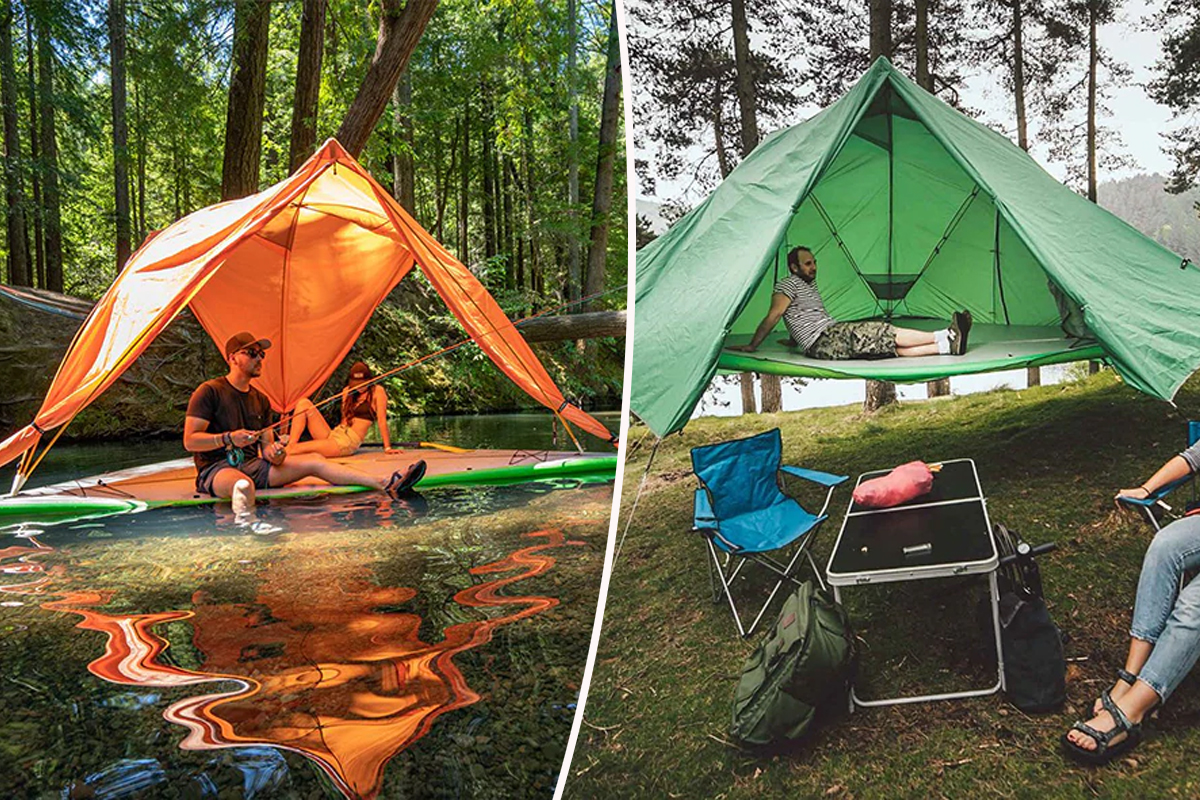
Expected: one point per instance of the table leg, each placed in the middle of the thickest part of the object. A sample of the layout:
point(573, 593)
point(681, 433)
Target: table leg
point(994, 596)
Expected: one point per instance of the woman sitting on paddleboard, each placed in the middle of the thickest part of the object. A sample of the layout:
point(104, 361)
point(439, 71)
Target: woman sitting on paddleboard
point(361, 408)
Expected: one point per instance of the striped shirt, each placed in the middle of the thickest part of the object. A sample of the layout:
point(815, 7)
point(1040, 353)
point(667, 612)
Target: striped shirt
point(1192, 457)
point(805, 318)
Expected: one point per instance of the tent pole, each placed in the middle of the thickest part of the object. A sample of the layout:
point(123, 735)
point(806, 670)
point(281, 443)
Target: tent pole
point(637, 498)
point(999, 275)
point(891, 203)
point(845, 250)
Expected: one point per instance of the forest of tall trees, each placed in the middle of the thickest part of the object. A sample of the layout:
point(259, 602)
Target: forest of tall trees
point(497, 125)
point(710, 80)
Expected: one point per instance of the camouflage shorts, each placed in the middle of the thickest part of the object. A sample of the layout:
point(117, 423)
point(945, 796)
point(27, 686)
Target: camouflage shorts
point(843, 340)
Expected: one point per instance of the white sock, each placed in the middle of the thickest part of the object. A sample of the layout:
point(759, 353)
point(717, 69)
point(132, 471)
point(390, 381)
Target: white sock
point(942, 340)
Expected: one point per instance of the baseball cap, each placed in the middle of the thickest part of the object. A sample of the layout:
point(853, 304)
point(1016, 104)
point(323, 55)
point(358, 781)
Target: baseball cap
point(240, 341)
point(359, 372)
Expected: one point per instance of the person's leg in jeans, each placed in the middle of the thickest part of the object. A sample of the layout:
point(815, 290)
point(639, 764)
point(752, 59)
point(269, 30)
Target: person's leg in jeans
point(1165, 633)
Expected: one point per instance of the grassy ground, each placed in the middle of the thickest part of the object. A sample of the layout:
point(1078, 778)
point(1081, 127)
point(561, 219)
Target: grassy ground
point(1050, 460)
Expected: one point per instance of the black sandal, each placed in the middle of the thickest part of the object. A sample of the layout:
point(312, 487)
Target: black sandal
point(1105, 750)
point(402, 484)
point(1124, 676)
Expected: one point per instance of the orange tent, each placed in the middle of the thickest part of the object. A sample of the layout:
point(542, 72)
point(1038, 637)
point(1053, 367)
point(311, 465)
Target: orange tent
point(304, 264)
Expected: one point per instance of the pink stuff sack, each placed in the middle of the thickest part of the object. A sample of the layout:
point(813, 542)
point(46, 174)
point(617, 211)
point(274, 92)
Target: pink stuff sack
point(906, 482)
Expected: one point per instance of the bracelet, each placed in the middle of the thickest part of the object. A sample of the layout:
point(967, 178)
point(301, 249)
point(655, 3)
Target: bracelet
point(1144, 489)
point(226, 439)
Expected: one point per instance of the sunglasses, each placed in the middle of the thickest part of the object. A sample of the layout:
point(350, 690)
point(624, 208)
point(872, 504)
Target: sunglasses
point(255, 352)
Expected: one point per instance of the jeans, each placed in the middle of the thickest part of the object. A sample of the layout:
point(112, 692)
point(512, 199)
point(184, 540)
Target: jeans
point(1171, 623)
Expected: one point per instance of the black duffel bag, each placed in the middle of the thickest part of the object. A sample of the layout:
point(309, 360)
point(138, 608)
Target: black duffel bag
point(1035, 668)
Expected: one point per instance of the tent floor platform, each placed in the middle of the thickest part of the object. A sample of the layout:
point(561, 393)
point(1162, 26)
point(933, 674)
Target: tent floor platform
point(172, 483)
point(990, 348)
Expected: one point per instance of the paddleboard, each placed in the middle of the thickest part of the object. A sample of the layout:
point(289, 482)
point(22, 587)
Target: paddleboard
point(173, 483)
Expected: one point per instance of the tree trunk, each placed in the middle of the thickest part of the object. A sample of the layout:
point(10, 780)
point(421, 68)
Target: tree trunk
point(1093, 61)
point(924, 79)
point(772, 393)
point(247, 84)
point(116, 39)
point(464, 185)
point(308, 83)
point(1018, 74)
point(940, 387)
point(574, 269)
point(749, 404)
point(489, 177)
point(52, 223)
point(1033, 375)
point(719, 131)
point(403, 175)
point(140, 126)
point(530, 195)
point(748, 114)
point(399, 31)
point(745, 78)
point(506, 172)
point(38, 265)
point(565, 327)
point(880, 393)
point(881, 28)
point(18, 247)
point(605, 161)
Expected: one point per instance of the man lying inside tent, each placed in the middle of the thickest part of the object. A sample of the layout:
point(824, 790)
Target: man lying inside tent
point(819, 335)
point(227, 416)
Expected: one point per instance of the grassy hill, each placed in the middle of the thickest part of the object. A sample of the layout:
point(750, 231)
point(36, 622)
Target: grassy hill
point(1050, 460)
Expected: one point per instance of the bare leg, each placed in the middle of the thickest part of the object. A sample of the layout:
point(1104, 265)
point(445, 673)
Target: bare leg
point(233, 484)
point(307, 417)
point(326, 447)
point(1139, 652)
point(920, 350)
point(908, 338)
point(296, 467)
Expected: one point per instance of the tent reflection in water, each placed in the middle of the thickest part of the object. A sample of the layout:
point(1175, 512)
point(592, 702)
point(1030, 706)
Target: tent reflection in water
point(303, 263)
point(913, 211)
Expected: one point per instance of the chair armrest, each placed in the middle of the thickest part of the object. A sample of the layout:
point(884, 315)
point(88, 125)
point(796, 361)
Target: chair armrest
point(823, 478)
point(1157, 495)
point(702, 512)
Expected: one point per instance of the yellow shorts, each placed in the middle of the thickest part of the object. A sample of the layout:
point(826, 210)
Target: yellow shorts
point(347, 440)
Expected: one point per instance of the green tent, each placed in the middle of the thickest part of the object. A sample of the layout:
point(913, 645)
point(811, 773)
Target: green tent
point(913, 211)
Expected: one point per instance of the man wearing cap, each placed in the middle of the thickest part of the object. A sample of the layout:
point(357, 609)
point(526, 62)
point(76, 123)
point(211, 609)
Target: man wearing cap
point(228, 431)
point(363, 405)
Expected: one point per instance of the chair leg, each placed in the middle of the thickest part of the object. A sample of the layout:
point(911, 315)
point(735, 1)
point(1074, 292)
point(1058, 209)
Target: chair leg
point(816, 571)
point(787, 576)
point(712, 551)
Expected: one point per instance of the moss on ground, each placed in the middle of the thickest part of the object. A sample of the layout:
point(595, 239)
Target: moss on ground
point(1050, 460)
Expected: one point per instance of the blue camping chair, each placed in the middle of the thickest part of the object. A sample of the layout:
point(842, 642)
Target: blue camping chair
point(741, 510)
point(1155, 506)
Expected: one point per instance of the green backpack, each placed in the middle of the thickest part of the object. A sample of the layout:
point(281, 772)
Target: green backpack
point(805, 663)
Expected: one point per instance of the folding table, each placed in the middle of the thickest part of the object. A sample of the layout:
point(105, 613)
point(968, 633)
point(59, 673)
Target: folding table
point(941, 534)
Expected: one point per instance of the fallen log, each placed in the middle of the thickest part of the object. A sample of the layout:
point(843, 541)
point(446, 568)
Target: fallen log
point(590, 325)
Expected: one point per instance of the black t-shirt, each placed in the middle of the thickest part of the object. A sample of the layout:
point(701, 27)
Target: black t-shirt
point(228, 409)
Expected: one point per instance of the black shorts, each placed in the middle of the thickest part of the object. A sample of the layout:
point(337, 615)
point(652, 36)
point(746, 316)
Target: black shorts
point(256, 469)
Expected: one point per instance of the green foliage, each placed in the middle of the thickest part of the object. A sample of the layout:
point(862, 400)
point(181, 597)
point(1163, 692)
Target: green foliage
point(494, 71)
